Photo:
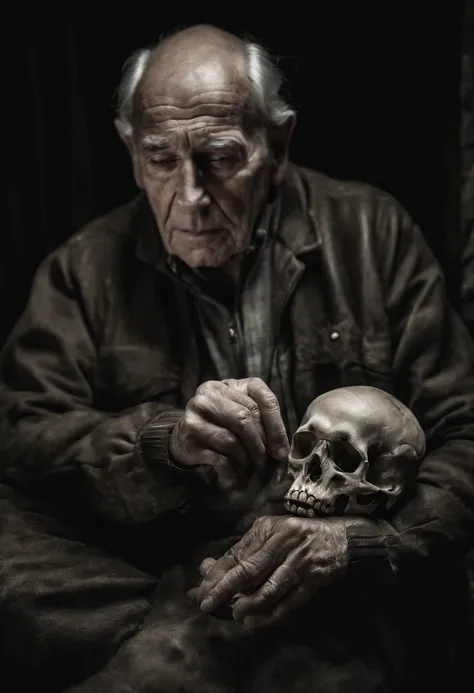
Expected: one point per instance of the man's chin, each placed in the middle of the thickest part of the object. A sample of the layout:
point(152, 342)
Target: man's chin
point(202, 259)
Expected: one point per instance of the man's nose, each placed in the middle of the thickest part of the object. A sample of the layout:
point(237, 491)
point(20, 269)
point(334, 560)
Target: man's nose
point(191, 193)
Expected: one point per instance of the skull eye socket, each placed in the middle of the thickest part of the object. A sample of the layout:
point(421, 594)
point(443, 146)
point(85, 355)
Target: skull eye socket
point(345, 455)
point(303, 445)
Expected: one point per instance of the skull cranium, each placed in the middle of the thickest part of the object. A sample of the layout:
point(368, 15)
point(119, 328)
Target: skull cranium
point(357, 449)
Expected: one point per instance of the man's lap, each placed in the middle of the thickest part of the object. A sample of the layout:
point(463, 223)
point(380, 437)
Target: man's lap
point(65, 606)
point(71, 612)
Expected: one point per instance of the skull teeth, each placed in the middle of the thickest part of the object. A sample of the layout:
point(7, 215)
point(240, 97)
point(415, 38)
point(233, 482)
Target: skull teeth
point(300, 509)
point(304, 504)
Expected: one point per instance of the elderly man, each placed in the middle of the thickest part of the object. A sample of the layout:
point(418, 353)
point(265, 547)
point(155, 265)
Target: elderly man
point(166, 356)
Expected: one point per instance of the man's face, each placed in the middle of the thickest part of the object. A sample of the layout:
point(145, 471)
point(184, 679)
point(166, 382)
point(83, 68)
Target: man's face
point(205, 170)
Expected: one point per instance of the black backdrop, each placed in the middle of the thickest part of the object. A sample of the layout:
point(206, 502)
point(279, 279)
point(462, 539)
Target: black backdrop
point(376, 91)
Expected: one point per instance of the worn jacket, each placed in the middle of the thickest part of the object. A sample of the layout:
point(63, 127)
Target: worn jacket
point(105, 357)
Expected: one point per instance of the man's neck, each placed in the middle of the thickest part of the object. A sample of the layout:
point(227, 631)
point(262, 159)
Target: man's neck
point(224, 282)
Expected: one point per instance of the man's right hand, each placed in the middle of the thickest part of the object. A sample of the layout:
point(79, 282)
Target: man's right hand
point(228, 426)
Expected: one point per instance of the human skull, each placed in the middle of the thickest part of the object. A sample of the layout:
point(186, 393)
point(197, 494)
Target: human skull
point(357, 449)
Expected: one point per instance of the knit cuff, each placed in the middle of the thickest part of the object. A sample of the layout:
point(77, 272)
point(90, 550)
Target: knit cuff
point(369, 552)
point(155, 438)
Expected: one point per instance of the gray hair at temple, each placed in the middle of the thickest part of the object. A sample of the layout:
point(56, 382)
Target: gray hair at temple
point(265, 77)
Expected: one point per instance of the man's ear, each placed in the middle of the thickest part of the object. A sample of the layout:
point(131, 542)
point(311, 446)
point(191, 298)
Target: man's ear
point(280, 139)
point(127, 139)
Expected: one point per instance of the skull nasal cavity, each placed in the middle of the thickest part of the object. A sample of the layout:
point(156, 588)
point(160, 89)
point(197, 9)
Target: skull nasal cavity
point(315, 470)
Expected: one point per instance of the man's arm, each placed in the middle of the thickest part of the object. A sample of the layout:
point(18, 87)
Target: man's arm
point(49, 427)
point(433, 373)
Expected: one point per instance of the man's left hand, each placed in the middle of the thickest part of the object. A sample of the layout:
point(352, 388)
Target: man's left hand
point(275, 568)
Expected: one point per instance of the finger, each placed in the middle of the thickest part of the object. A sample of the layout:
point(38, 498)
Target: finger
point(275, 432)
point(237, 390)
point(285, 608)
point(248, 545)
point(215, 574)
point(247, 576)
point(236, 418)
point(238, 394)
point(206, 565)
point(208, 435)
point(282, 581)
point(234, 390)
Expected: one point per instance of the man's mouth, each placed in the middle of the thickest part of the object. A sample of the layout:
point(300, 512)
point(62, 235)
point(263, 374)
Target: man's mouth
point(201, 232)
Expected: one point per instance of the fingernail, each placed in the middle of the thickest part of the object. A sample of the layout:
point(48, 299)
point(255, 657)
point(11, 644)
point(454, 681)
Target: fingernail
point(282, 454)
point(206, 605)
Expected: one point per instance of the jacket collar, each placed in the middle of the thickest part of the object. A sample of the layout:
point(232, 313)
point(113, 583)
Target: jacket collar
point(298, 227)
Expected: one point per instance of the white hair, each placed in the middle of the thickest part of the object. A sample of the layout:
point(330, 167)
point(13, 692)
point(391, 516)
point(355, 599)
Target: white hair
point(264, 75)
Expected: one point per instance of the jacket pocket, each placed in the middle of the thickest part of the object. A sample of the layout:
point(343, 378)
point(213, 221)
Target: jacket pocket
point(362, 374)
point(337, 356)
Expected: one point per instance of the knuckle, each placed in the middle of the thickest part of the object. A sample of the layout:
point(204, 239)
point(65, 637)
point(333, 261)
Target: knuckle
point(244, 417)
point(270, 588)
point(260, 522)
point(205, 387)
point(246, 569)
point(295, 529)
point(190, 421)
point(229, 441)
point(253, 409)
point(200, 401)
point(269, 401)
point(258, 382)
point(233, 553)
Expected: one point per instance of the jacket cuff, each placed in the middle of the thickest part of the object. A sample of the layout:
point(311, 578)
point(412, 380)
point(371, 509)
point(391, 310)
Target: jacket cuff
point(155, 437)
point(369, 551)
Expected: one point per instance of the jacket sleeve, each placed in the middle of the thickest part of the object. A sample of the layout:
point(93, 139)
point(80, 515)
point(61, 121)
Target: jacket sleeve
point(50, 430)
point(432, 367)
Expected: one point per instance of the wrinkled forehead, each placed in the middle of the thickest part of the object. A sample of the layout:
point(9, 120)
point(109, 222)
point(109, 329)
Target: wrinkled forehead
point(187, 92)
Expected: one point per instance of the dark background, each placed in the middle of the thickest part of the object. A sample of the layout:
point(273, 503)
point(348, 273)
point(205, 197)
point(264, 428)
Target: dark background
point(377, 93)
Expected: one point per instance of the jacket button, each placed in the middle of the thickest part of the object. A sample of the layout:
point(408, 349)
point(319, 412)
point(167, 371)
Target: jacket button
point(333, 336)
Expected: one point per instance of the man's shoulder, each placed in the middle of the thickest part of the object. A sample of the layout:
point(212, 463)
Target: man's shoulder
point(108, 229)
point(347, 195)
point(98, 246)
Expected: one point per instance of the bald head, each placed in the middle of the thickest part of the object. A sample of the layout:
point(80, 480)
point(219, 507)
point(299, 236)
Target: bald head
point(200, 41)
point(197, 52)
point(192, 63)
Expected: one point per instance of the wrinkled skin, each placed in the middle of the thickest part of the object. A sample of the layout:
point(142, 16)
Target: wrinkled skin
point(199, 151)
point(227, 430)
point(274, 569)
